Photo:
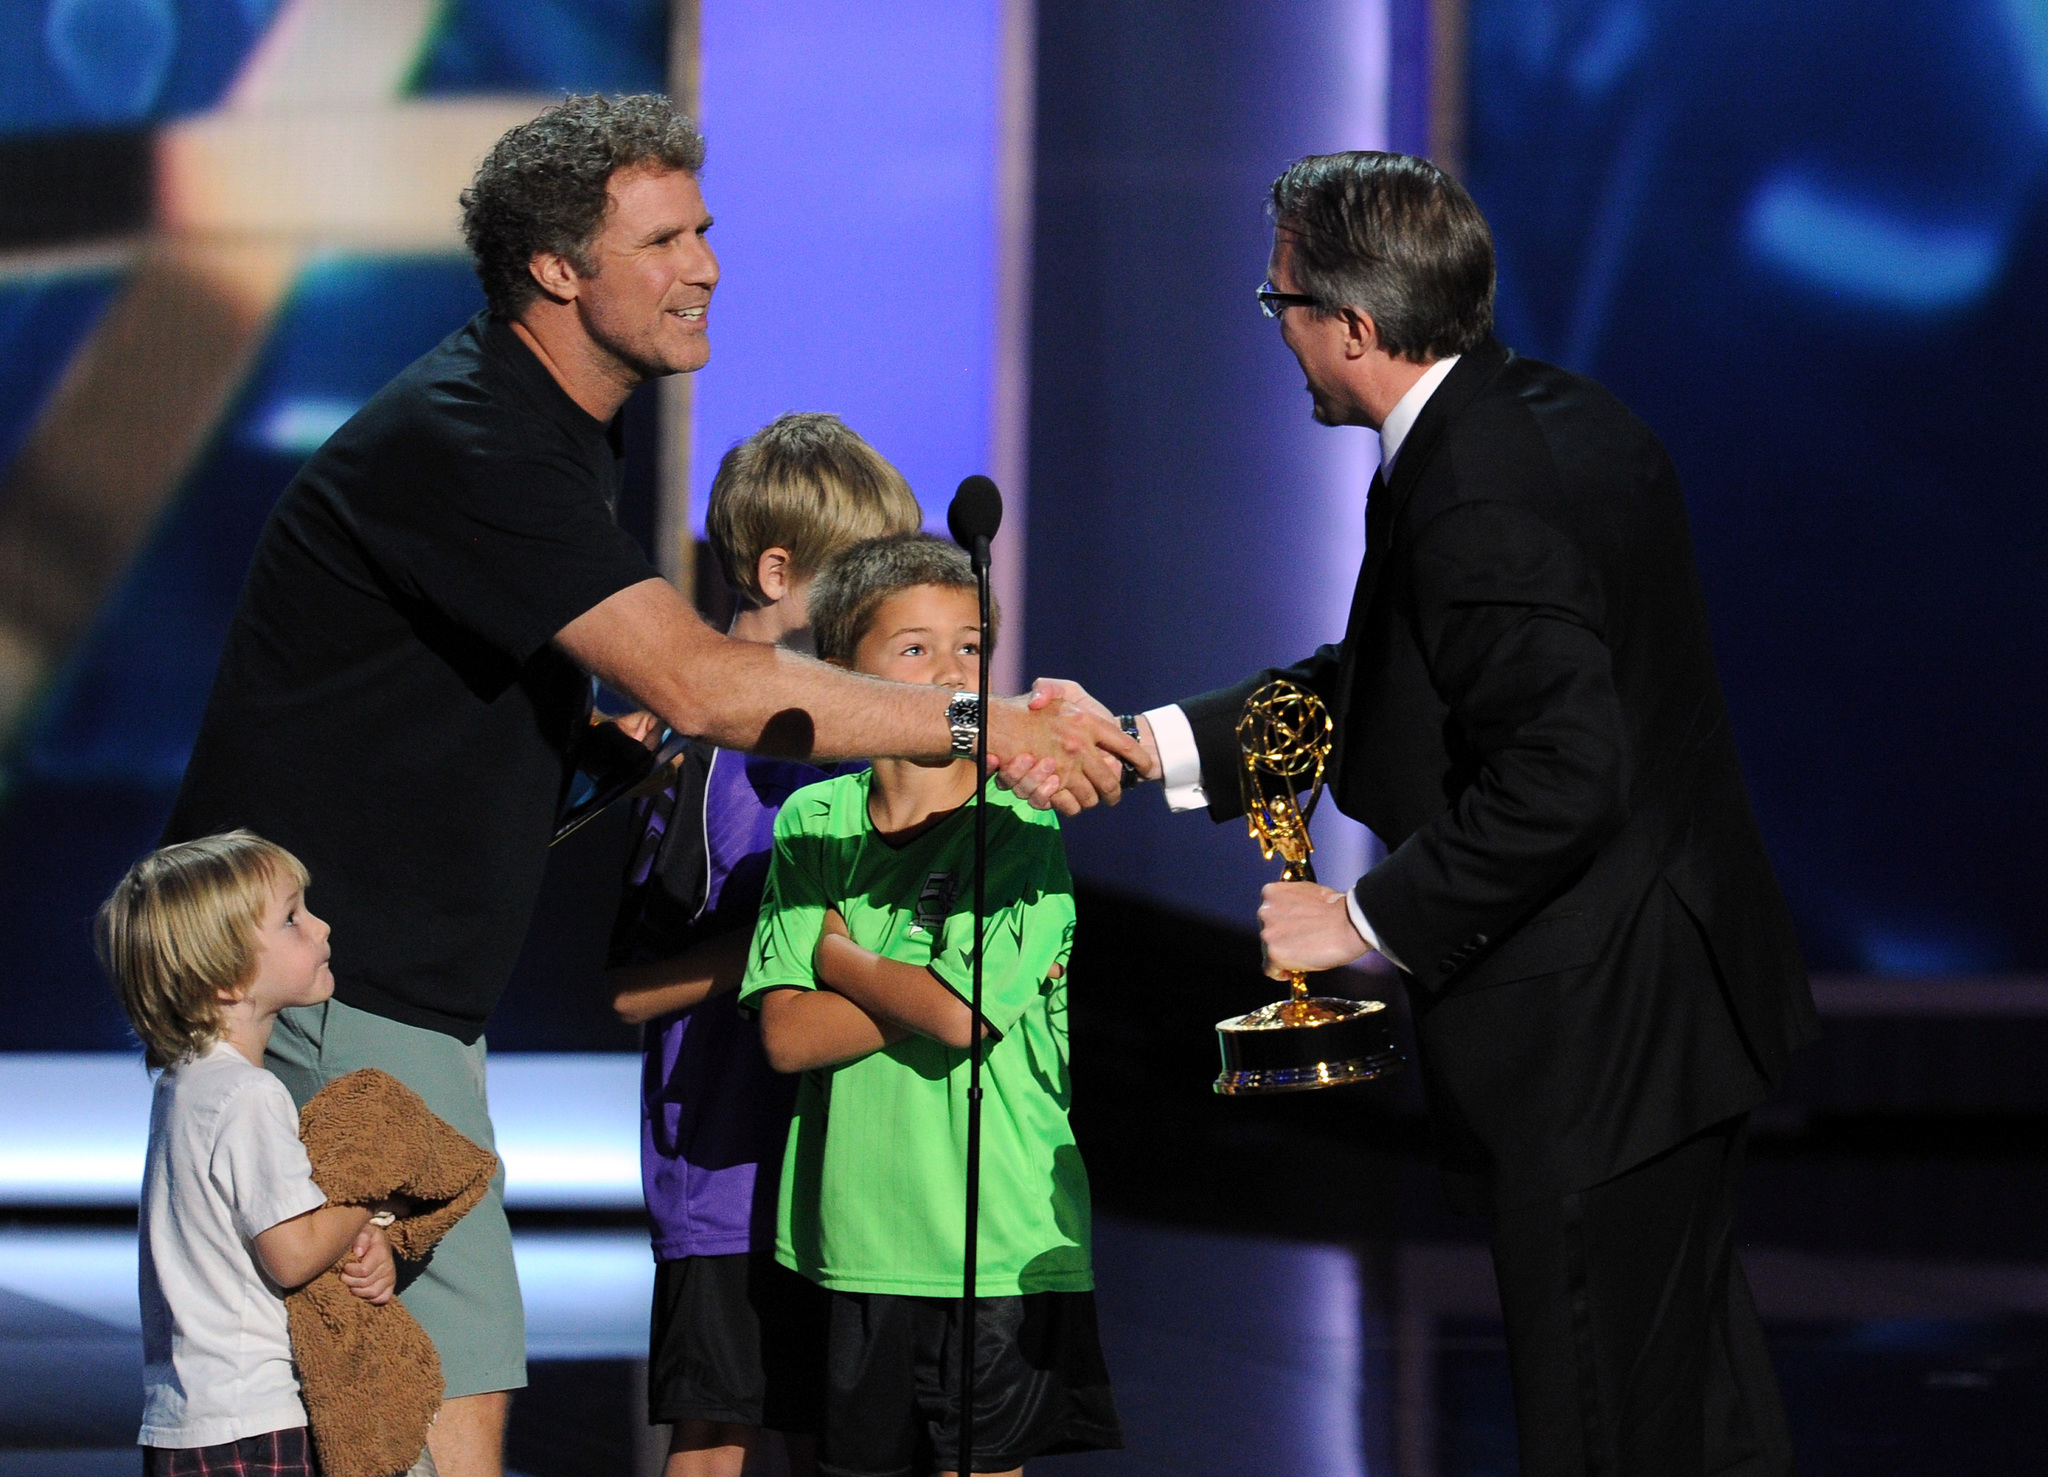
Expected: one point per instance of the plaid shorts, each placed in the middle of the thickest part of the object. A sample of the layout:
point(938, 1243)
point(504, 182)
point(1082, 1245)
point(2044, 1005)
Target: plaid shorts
point(273, 1454)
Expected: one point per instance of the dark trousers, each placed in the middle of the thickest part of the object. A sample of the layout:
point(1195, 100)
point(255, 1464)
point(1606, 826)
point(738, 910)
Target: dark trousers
point(1633, 1341)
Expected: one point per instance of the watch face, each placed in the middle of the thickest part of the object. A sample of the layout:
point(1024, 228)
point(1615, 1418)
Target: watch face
point(963, 714)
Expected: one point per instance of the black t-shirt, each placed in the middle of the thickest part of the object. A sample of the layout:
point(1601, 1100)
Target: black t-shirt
point(388, 705)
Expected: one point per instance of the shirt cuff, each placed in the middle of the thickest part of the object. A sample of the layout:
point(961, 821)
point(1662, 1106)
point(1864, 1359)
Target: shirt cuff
point(961, 990)
point(1364, 926)
point(1178, 757)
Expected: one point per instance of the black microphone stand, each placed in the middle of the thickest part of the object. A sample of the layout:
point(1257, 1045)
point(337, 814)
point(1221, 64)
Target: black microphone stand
point(977, 541)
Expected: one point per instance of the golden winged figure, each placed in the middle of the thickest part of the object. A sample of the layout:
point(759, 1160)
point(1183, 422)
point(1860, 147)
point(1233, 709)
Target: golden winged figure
point(1284, 735)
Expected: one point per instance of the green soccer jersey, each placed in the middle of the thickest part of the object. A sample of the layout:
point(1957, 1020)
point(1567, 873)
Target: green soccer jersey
point(874, 1174)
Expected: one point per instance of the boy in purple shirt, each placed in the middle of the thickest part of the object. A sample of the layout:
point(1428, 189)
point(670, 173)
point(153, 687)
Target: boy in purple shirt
point(737, 1342)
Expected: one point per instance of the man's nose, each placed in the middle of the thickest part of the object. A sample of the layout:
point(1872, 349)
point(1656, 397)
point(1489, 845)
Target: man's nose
point(701, 268)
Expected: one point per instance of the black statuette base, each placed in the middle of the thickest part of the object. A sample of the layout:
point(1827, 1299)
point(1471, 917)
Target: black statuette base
point(1354, 1043)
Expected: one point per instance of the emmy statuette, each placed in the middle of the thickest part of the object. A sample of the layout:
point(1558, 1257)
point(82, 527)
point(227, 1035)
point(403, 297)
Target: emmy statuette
point(1304, 1041)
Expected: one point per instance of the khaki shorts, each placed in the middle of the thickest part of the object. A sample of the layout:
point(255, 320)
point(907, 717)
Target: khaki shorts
point(466, 1295)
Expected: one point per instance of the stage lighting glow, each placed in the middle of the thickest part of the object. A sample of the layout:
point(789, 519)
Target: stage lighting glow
point(1839, 244)
point(77, 1125)
point(2027, 20)
point(586, 1292)
point(381, 178)
point(1618, 40)
point(299, 427)
point(568, 1128)
point(87, 1272)
point(896, 105)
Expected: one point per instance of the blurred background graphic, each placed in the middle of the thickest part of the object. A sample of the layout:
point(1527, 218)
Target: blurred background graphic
point(1807, 245)
point(1805, 242)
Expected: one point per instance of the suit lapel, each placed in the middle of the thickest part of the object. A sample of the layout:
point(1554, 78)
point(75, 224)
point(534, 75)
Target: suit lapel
point(1376, 525)
point(1472, 373)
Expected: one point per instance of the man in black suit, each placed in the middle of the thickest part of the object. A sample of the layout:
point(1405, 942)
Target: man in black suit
point(1604, 976)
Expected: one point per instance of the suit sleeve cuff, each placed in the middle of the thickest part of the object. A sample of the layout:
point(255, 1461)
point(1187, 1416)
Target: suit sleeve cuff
point(1364, 926)
point(1178, 757)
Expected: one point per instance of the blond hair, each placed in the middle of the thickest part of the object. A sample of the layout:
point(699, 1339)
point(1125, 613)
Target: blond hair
point(179, 933)
point(807, 483)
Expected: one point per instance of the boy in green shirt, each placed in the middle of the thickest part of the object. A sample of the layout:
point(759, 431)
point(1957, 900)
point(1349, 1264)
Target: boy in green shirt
point(860, 969)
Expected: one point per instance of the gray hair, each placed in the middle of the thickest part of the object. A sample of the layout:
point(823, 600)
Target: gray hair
point(1396, 238)
point(854, 583)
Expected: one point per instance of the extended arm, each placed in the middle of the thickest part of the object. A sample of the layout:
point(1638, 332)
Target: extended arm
point(714, 967)
point(1199, 766)
point(644, 641)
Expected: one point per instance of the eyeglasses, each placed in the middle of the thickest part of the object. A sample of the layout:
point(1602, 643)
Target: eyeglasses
point(1273, 302)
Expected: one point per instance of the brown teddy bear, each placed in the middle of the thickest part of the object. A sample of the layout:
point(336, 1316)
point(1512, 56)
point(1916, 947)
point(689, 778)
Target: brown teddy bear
point(370, 1375)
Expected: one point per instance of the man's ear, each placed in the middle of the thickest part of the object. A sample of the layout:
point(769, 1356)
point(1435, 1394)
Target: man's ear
point(772, 573)
point(556, 275)
point(1361, 334)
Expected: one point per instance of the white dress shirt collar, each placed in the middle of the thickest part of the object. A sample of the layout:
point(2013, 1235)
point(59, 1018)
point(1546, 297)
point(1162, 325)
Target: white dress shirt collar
point(1401, 419)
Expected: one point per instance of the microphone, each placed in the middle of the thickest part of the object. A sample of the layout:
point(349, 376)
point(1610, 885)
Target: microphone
point(974, 516)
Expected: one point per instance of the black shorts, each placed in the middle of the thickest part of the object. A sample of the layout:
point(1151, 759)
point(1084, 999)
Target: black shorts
point(892, 1396)
point(736, 1339)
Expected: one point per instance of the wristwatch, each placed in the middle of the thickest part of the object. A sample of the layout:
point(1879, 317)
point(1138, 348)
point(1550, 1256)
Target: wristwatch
point(1128, 722)
point(963, 716)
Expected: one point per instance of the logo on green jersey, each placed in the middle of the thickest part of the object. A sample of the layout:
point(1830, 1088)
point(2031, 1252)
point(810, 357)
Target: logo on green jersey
point(934, 902)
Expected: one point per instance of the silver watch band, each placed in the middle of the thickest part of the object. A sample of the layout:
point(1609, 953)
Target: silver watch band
point(963, 716)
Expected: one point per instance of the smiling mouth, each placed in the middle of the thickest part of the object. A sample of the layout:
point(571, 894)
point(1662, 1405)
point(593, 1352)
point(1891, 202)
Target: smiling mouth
point(688, 315)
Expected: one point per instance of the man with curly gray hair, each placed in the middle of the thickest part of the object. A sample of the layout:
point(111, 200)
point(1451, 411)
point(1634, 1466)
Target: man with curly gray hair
point(411, 662)
point(543, 217)
point(545, 186)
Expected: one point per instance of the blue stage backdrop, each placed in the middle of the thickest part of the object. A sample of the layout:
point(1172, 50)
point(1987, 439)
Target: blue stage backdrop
point(1188, 521)
point(1807, 244)
point(852, 175)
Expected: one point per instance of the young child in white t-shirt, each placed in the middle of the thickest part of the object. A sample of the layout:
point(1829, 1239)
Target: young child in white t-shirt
point(206, 942)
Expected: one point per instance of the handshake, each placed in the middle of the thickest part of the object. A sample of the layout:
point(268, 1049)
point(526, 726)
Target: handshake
point(1055, 746)
point(1303, 926)
point(1058, 747)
